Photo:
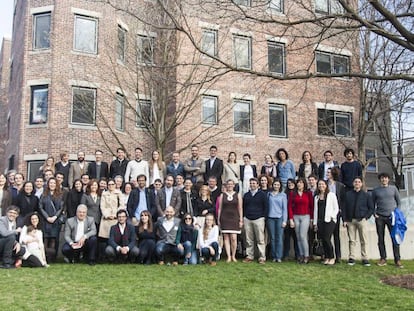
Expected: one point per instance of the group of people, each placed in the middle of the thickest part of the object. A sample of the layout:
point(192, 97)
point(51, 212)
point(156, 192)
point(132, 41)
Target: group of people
point(149, 212)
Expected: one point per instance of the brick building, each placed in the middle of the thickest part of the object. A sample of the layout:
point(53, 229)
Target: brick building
point(74, 83)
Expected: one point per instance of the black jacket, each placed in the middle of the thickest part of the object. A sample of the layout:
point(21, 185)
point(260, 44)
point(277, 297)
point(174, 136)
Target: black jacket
point(360, 201)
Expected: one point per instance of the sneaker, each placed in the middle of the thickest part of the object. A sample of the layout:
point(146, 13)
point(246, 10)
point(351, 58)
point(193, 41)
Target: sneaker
point(382, 263)
point(366, 263)
point(278, 260)
point(262, 261)
point(247, 260)
point(351, 261)
point(399, 265)
point(161, 263)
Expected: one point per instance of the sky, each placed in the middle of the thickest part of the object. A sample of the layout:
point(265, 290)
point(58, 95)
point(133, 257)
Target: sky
point(6, 18)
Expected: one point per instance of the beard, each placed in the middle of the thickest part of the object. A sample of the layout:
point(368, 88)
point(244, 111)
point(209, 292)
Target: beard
point(81, 159)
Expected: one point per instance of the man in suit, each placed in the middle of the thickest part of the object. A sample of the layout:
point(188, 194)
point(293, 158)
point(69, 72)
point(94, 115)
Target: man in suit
point(122, 239)
point(98, 169)
point(78, 168)
point(213, 167)
point(119, 165)
point(168, 196)
point(80, 236)
point(140, 199)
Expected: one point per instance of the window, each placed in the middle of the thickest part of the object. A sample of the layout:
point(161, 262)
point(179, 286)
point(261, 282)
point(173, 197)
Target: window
point(83, 106)
point(33, 169)
point(119, 112)
point(328, 7)
point(276, 5)
point(144, 115)
point(334, 123)
point(209, 42)
point(242, 52)
point(242, 116)
point(209, 109)
point(39, 104)
point(121, 43)
point(275, 52)
point(41, 31)
point(331, 63)
point(242, 2)
point(145, 49)
point(370, 157)
point(277, 120)
point(85, 34)
point(368, 118)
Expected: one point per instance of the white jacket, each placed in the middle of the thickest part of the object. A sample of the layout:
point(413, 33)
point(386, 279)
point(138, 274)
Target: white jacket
point(331, 211)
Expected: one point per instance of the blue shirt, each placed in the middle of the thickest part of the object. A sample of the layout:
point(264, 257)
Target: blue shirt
point(142, 204)
point(286, 171)
point(278, 205)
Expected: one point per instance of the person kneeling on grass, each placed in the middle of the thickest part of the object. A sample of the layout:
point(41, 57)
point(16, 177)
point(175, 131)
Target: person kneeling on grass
point(187, 240)
point(122, 239)
point(80, 236)
point(166, 229)
point(208, 240)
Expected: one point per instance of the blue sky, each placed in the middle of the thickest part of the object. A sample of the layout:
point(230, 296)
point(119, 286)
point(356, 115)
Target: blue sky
point(6, 18)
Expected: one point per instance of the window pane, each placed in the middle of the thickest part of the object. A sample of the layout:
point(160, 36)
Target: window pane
point(242, 117)
point(340, 64)
point(242, 52)
point(33, 169)
point(209, 107)
point(85, 34)
point(275, 57)
point(342, 124)
point(370, 154)
point(326, 122)
point(209, 42)
point(121, 43)
point(242, 2)
point(42, 31)
point(119, 112)
point(144, 113)
point(336, 7)
point(39, 104)
point(277, 120)
point(275, 5)
point(145, 49)
point(321, 6)
point(83, 109)
point(323, 62)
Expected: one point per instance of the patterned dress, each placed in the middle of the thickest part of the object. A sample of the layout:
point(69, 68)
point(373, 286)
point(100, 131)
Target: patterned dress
point(229, 216)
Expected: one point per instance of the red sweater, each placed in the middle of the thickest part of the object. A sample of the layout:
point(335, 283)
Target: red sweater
point(300, 205)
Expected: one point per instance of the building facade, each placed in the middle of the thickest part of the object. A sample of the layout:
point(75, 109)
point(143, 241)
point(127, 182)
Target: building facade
point(85, 75)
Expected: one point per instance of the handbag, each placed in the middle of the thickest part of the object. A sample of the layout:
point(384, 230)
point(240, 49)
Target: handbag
point(317, 247)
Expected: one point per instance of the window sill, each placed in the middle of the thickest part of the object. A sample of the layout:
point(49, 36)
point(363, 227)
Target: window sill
point(245, 135)
point(33, 126)
point(40, 51)
point(83, 127)
point(88, 54)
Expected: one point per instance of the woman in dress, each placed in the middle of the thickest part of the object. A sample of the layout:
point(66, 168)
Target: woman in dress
point(157, 168)
point(307, 167)
point(146, 238)
point(230, 219)
point(203, 205)
point(285, 167)
point(208, 240)
point(111, 202)
point(5, 195)
point(51, 207)
point(325, 213)
point(277, 219)
point(26, 201)
point(300, 211)
point(231, 170)
point(186, 240)
point(33, 241)
point(74, 198)
point(269, 167)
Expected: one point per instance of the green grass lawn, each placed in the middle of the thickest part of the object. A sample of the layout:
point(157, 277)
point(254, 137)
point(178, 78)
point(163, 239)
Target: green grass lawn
point(237, 286)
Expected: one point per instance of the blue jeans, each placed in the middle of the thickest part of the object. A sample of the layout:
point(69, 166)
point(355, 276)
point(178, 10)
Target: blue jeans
point(188, 250)
point(274, 225)
point(162, 249)
point(301, 227)
point(205, 252)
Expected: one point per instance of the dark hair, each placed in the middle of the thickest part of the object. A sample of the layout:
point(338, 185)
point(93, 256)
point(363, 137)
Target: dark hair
point(142, 175)
point(230, 153)
point(127, 183)
point(188, 214)
point(28, 220)
point(57, 193)
point(313, 176)
point(85, 174)
point(327, 187)
point(6, 186)
point(213, 147)
point(24, 185)
point(138, 148)
point(158, 180)
point(358, 177)
point(213, 177)
point(74, 182)
point(348, 150)
point(90, 183)
point(59, 173)
point(268, 178)
point(121, 211)
point(120, 149)
point(277, 179)
point(328, 151)
point(292, 181)
point(303, 156)
point(384, 174)
point(141, 225)
point(253, 179)
point(279, 150)
point(247, 155)
point(305, 183)
point(335, 173)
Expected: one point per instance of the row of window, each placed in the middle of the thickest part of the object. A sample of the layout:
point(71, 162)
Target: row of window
point(85, 41)
point(83, 112)
point(321, 6)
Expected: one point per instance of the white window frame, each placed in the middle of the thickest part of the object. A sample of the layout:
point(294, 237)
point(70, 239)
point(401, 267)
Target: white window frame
point(246, 3)
point(84, 50)
point(38, 113)
point(94, 106)
point(283, 110)
point(330, 6)
point(208, 99)
point(35, 29)
point(238, 103)
point(276, 6)
point(238, 39)
point(214, 46)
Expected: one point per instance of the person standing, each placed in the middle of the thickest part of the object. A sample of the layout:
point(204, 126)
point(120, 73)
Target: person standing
point(247, 171)
point(98, 169)
point(350, 169)
point(119, 165)
point(327, 164)
point(213, 167)
point(137, 167)
point(175, 167)
point(285, 167)
point(358, 208)
point(386, 198)
point(63, 166)
point(192, 166)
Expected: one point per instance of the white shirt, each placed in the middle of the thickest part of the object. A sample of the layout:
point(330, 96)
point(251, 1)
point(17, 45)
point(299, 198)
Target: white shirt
point(168, 224)
point(80, 230)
